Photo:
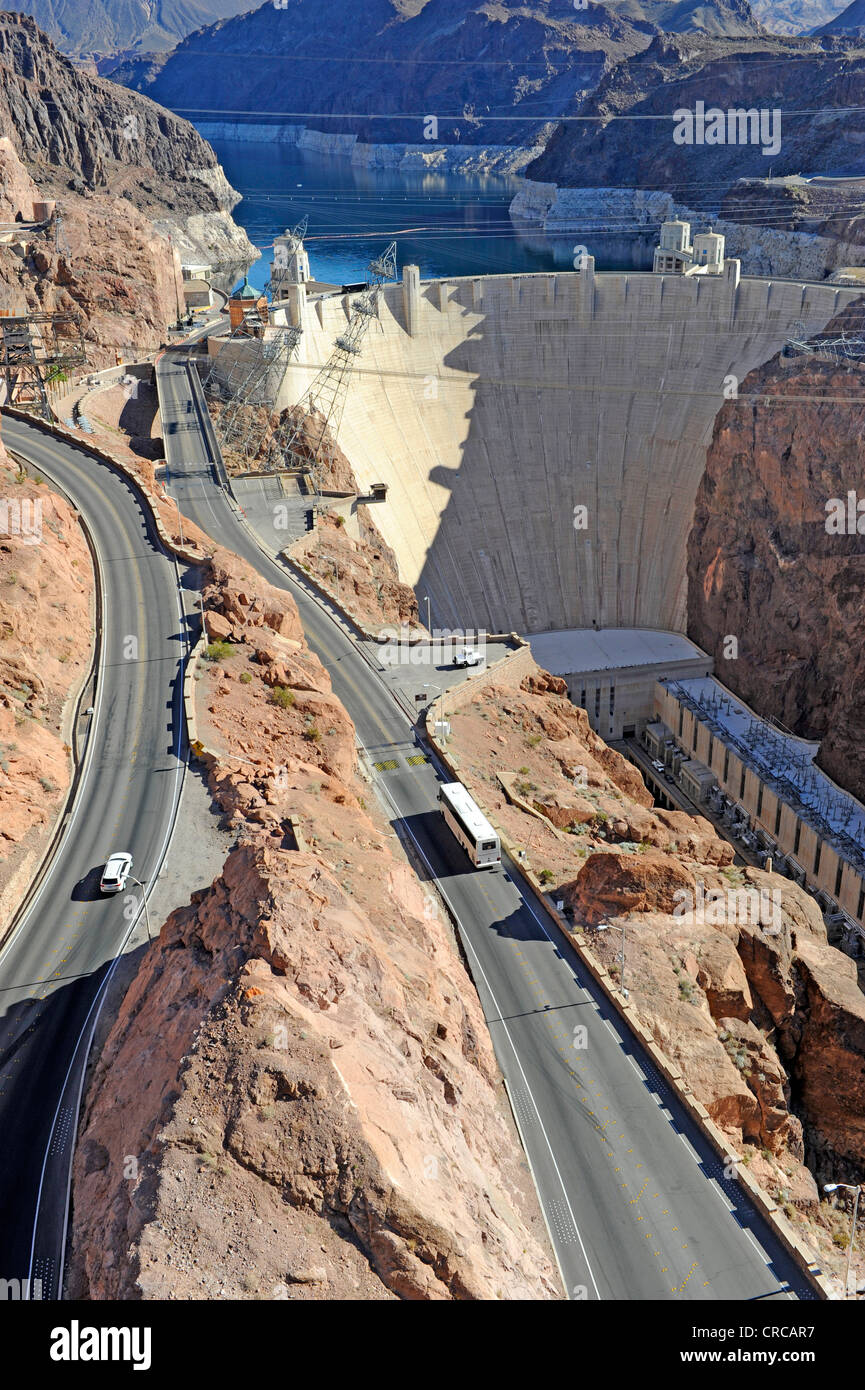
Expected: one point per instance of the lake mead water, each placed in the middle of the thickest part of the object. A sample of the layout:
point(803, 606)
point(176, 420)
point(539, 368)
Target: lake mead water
point(447, 224)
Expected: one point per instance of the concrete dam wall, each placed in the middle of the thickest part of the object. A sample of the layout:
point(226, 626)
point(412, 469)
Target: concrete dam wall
point(494, 407)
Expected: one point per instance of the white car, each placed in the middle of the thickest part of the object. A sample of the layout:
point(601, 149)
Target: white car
point(468, 656)
point(115, 873)
point(658, 766)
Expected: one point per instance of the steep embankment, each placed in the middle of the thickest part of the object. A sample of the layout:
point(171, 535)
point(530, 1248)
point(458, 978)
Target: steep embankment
point(46, 593)
point(764, 1019)
point(762, 565)
point(489, 74)
point(84, 134)
point(358, 569)
point(300, 1077)
point(803, 77)
point(87, 27)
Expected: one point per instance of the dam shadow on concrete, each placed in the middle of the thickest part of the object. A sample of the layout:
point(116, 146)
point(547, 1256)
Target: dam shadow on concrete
point(543, 436)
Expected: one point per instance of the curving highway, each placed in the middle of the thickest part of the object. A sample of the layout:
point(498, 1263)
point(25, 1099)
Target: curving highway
point(636, 1202)
point(54, 966)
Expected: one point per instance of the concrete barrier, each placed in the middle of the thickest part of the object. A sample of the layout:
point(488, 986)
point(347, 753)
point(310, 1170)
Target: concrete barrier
point(183, 552)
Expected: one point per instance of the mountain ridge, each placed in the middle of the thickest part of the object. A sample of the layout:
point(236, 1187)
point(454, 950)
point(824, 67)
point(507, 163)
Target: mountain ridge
point(511, 68)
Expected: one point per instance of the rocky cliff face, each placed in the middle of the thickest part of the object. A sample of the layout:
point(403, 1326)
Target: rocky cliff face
point(803, 77)
point(763, 567)
point(360, 570)
point(105, 263)
point(461, 64)
point(741, 989)
point(81, 133)
point(299, 1098)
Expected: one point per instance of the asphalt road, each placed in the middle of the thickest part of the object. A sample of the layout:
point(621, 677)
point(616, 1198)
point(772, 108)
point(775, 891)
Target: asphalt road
point(636, 1203)
point(52, 969)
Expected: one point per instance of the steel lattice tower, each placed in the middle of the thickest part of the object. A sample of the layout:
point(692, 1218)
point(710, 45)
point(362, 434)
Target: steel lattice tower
point(312, 426)
point(36, 349)
point(278, 271)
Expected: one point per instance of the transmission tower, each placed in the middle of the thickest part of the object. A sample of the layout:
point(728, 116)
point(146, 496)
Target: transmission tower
point(37, 349)
point(256, 367)
point(310, 428)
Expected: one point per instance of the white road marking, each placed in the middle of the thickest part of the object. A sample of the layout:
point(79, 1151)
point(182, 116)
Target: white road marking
point(507, 1035)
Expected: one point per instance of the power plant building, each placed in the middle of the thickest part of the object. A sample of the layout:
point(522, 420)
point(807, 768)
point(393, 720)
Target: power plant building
point(810, 828)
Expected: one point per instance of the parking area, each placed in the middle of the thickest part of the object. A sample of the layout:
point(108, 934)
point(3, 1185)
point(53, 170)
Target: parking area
point(427, 671)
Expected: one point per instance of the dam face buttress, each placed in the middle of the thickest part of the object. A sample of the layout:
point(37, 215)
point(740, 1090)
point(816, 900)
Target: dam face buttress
point(543, 436)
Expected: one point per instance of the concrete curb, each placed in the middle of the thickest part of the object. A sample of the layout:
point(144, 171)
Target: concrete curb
point(184, 553)
point(766, 1205)
point(189, 694)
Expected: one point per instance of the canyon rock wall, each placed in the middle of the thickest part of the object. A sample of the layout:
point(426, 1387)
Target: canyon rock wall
point(112, 268)
point(46, 631)
point(74, 131)
point(816, 83)
point(762, 565)
point(535, 57)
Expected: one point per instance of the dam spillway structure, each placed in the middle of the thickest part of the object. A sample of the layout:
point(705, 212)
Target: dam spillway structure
point(501, 410)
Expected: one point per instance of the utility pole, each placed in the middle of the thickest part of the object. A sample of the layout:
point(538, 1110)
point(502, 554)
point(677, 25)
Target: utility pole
point(848, 1187)
point(144, 900)
point(174, 277)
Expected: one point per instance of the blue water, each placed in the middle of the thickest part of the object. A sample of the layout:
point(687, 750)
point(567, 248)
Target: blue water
point(446, 224)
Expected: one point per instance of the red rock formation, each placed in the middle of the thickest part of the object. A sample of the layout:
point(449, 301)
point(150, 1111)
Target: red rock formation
point(361, 571)
point(46, 589)
point(762, 566)
point(612, 885)
point(299, 1097)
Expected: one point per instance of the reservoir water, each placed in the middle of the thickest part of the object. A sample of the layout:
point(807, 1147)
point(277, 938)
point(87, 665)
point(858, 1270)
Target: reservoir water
point(447, 224)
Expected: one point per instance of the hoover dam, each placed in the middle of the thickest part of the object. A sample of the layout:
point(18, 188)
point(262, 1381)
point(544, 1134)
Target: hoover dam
point(542, 436)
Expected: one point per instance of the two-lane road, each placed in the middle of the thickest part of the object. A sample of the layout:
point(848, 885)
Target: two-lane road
point(636, 1202)
point(52, 968)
